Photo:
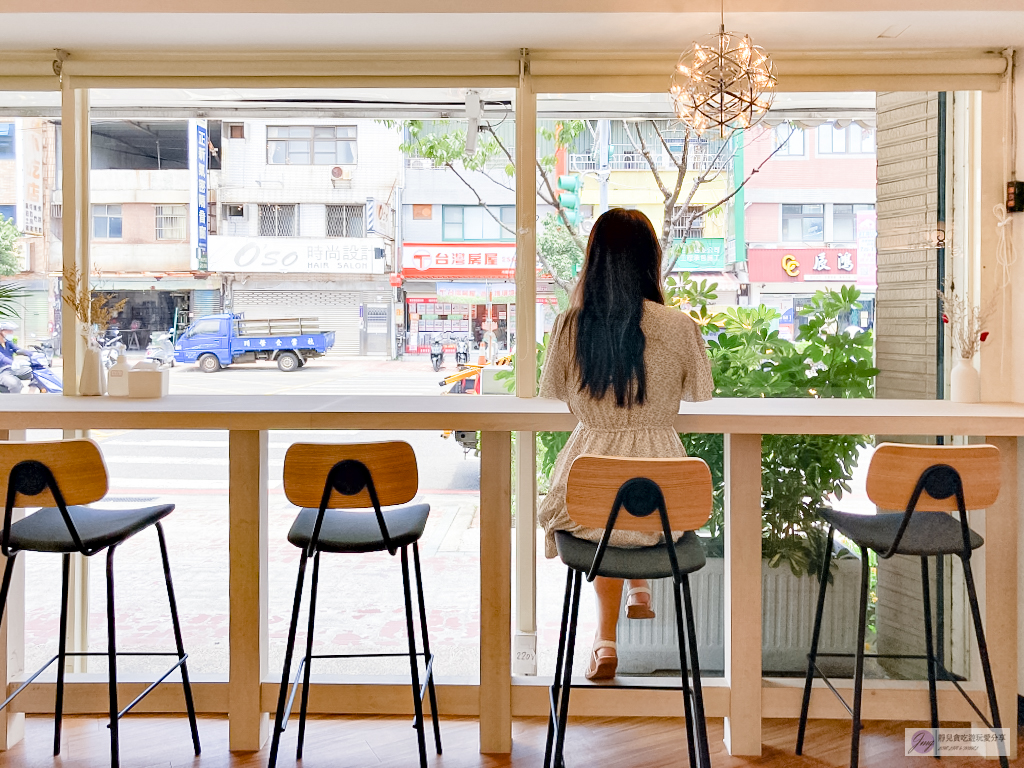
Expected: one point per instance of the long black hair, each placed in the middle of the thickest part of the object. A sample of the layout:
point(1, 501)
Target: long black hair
point(622, 268)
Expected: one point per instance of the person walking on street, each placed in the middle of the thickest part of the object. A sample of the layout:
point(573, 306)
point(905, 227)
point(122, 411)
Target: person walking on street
point(9, 383)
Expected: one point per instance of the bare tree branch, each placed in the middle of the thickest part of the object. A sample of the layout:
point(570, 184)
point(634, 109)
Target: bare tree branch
point(642, 149)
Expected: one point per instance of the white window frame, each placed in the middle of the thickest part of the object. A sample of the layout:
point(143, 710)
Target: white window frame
point(276, 143)
point(179, 222)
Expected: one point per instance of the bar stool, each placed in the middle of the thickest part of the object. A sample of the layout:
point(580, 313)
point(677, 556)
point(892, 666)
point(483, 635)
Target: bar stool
point(680, 492)
point(929, 480)
point(68, 474)
point(335, 485)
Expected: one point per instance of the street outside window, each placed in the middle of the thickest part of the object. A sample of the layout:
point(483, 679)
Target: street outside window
point(844, 221)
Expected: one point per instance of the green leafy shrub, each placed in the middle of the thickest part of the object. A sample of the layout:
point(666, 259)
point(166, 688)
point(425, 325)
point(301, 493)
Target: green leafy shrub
point(749, 359)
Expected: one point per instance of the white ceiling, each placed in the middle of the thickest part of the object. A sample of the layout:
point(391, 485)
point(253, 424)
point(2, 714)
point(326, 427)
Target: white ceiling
point(216, 32)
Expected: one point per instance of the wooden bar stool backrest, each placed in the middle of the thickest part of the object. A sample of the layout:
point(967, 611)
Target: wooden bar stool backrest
point(52, 474)
point(391, 465)
point(76, 466)
point(594, 483)
point(896, 469)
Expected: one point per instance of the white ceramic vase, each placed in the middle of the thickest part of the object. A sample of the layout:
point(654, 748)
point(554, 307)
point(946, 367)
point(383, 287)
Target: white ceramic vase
point(964, 382)
point(94, 375)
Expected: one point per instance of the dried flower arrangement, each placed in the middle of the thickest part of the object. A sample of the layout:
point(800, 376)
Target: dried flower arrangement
point(966, 323)
point(93, 310)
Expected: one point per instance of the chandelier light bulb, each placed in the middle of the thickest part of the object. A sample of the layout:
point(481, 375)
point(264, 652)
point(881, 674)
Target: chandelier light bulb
point(725, 82)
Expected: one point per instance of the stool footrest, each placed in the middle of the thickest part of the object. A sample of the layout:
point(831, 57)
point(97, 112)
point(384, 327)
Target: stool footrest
point(305, 659)
point(122, 713)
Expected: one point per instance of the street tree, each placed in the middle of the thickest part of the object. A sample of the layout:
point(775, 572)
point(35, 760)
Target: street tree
point(10, 259)
point(444, 144)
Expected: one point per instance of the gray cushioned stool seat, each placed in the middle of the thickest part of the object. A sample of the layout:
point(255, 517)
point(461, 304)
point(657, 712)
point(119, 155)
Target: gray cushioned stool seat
point(929, 533)
point(346, 530)
point(46, 531)
point(638, 563)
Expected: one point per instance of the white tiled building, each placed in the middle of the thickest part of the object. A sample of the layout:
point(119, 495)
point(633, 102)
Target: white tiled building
point(304, 224)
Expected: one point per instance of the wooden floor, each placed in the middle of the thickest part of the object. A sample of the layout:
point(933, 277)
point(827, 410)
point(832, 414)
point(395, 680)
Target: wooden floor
point(152, 742)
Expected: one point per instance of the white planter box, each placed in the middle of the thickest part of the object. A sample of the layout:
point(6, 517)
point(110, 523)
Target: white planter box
point(788, 609)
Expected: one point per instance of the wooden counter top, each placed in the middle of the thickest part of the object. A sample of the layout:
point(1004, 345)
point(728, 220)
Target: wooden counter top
point(734, 416)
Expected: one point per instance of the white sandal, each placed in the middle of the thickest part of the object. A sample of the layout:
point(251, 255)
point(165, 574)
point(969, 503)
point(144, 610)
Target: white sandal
point(639, 610)
point(602, 667)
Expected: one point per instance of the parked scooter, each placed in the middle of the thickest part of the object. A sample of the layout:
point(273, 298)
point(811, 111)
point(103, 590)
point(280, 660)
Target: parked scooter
point(461, 351)
point(111, 347)
point(161, 349)
point(437, 353)
point(36, 371)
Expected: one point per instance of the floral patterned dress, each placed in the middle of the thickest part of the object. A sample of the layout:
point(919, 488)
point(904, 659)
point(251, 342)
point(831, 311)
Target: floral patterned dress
point(677, 369)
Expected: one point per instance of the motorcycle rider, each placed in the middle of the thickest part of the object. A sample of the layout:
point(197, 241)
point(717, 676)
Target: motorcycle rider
point(8, 381)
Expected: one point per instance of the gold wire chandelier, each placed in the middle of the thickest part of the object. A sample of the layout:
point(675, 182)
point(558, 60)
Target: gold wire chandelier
point(725, 82)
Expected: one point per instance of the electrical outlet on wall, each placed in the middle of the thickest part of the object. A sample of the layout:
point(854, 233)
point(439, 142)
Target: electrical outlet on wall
point(1015, 196)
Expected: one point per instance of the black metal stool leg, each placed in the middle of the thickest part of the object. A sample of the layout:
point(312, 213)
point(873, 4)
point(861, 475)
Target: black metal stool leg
point(858, 673)
point(684, 673)
point(282, 697)
point(555, 689)
point(309, 656)
point(62, 649)
point(115, 750)
point(986, 667)
point(926, 598)
point(563, 713)
point(413, 663)
point(812, 657)
point(186, 684)
point(698, 689)
point(426, 647)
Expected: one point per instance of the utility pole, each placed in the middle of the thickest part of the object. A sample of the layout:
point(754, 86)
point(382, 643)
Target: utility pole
point(604, 129)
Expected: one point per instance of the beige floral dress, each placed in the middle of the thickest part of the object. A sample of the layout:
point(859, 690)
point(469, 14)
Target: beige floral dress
point(677, 369)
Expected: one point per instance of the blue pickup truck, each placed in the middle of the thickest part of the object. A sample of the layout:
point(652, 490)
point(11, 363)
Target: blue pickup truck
point(216, 341)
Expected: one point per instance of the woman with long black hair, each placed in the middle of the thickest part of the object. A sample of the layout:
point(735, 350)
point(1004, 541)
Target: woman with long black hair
point(622, 360)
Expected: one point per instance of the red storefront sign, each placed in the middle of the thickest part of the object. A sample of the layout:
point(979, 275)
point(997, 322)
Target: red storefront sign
point(799, 265)
point(458, 260)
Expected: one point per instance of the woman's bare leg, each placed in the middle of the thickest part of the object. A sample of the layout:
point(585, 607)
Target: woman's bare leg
point(609, 599)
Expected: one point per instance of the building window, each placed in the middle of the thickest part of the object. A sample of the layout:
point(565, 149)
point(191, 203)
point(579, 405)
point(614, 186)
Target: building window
point(311, 145)
point(6, 141)
point(803, 223)
point(106, 222)
point(278, 221)
point(789, 138)
point(679, 229)
point(8, 212)
point(234, 211)
point(844, 221)
point(345, 220)
point(475, 223)
point(851, 140)
point(170, 222)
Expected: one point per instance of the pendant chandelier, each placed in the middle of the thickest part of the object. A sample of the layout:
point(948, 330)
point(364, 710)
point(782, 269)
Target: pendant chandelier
point(725, 82)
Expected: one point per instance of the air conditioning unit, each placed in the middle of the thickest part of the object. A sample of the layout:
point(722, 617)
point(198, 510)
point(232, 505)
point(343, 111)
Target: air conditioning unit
point(341, 174)
point(420, 163)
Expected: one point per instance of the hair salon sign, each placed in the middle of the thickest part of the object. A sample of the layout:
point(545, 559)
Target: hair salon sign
point(339, 255)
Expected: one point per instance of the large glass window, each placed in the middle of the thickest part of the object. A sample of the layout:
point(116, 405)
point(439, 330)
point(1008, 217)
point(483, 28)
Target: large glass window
point(477, 223)
point(788, 139)
point(803, 223)
point(106, 222)
point(316, 145)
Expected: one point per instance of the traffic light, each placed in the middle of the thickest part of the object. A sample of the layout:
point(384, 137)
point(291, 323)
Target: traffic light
point(569, 200)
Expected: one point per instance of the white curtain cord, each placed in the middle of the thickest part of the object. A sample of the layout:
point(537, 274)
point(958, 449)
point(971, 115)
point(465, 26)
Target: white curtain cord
point(1006, 257)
